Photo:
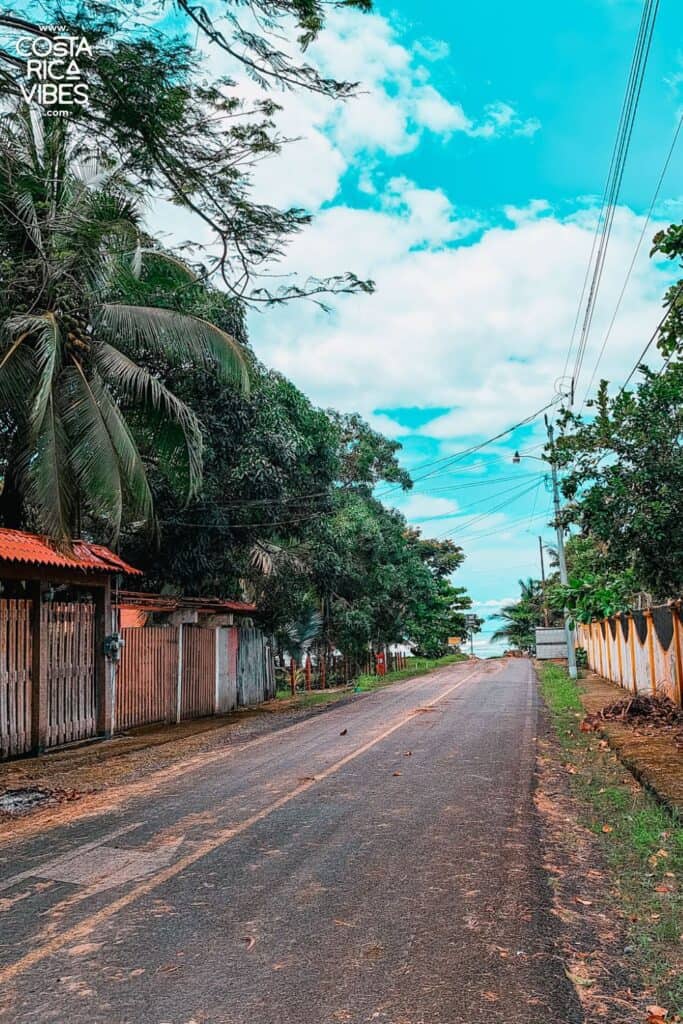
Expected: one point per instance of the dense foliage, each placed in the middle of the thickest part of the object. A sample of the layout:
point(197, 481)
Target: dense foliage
point(624, 478)
point(623, 474)
point(75, 349)
point(131, 401)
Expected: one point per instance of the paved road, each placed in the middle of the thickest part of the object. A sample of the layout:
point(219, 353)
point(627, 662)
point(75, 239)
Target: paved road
point(390, 874)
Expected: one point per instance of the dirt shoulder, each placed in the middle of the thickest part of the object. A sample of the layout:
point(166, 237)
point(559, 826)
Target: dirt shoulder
point(71, 773)
point(651, 750)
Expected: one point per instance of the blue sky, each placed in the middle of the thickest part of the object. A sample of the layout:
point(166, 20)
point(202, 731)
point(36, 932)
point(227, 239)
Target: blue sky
point(466, 179)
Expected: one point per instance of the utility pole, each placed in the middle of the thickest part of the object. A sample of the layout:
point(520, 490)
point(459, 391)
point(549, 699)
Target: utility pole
point(569, 632)
point(545, 607)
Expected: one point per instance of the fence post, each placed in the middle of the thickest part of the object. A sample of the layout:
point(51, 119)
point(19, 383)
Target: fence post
point(323, 669)
point(308, 671)
point(179, 687)
point(619, 642)
point(39, 655)
point(292, 676)
point(104, 674)
point(651, 651)
point(678, 654)
point(632, 647)
point(217, 690)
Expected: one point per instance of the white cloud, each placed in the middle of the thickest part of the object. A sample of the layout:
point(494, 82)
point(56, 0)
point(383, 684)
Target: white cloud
point(481, 329)
point(396, 104)
point(496, 602)
point(419, 506)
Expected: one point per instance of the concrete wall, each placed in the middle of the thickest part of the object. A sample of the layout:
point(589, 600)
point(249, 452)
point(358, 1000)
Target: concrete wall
point(641, 651)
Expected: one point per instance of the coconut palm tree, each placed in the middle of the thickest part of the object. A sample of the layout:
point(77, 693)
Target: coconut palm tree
point(521, 618)
point(77, 394)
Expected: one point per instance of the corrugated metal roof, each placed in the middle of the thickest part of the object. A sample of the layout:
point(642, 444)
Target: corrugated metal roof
point(34, 549)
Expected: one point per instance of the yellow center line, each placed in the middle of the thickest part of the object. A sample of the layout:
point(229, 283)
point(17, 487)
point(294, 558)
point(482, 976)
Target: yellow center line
point(87, 926)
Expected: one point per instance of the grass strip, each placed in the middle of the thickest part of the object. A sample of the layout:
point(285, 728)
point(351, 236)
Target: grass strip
point(642, 842)
point(368, 683)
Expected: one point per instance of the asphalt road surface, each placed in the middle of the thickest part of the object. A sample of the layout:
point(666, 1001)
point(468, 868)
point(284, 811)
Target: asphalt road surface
point(378, 863)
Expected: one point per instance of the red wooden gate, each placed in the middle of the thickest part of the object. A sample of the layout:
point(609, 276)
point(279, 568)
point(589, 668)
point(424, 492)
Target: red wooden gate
point(147, 676)
point(70, 671)
point(199, 672)
point(15, 677)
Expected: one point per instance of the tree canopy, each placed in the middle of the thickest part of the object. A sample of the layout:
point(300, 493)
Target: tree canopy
point(185, 136)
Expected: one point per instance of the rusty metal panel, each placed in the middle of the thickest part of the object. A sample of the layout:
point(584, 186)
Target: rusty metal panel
point(146, 676)
point(255, 673)
point(198, 687)
point(15, 677)
point(226, 695)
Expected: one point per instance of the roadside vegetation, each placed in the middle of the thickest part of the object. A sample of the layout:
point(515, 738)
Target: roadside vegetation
point(641, 841)
point(367, 683)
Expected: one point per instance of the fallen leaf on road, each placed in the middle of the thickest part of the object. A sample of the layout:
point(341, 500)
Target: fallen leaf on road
point(584, 903)
point(656, 1014)
point(345, 924)
point(398, 773)
point(343, 732)
point(408, 753)
point(249, 941)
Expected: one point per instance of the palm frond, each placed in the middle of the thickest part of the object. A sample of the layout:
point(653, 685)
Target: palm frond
point(145, 389)
point(133, 476)
point(47, 484)
point(92, 455)
point(180, 338)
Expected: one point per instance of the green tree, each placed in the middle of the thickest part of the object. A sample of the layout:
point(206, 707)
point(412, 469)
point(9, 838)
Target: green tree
point(77, 397)
point(519, 620)
point(186, 137)
point(624, 478)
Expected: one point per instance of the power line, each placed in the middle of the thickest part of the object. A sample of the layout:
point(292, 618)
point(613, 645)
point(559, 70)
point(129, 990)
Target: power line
point(459, 512)
point(488, 512)
point(473, 484)
point(655, 196)
point(503, 528)
point(615, 175)
point(452, 459)
point(652, 338)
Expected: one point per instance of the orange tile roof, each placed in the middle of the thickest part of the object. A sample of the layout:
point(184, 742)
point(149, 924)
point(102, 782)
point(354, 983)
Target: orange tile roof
point(33, 549)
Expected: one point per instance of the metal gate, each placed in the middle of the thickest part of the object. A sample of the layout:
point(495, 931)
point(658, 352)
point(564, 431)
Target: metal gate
point(15, 677)
point(72, 712)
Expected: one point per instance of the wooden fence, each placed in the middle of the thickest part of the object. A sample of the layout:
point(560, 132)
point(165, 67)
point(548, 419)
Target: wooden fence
point(15, 677)
point(198, 683)
point(641, 651)
point(169, 673)
point(147, 676)
point(72, 713)
point(166, 673)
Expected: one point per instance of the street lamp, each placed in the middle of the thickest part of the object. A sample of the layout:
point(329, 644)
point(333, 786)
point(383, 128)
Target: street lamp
point(569, 632)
